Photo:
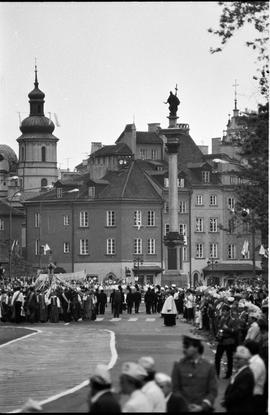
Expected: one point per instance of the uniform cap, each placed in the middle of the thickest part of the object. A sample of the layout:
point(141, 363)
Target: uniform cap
point(134, 370)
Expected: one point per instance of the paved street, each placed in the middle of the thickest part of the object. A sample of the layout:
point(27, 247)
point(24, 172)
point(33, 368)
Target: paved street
point(61, 356)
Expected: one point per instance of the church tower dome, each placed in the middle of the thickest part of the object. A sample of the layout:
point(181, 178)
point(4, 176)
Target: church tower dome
point(37, 144)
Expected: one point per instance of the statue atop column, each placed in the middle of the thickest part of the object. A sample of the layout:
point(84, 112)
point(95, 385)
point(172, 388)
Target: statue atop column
point(173, 102)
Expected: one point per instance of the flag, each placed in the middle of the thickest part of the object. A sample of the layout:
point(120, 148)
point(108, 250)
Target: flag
point(46, 248)
point(56, 120)
point(263, 251)
point(244, 251)
point(185, 239)
point(13, 245)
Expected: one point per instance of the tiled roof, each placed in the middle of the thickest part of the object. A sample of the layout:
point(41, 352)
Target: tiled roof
point(116, 149)
point(143, 137)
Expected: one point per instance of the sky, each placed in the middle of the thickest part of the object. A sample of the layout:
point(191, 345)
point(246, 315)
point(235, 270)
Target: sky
point(103, 65)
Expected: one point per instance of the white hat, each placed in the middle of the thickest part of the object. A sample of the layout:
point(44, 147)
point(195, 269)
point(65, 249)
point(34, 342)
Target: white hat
point(102, 375)
point(231, 299)
point(162, 378)
point(134, 370)
point(243, 352)
point(148, 363)
point(173, 285)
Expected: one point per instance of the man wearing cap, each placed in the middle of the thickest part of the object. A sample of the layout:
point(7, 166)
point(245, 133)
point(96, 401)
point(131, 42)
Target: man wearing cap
point(175, 403)
point(150, 388)
point(131, 381)
point(101, 397)
point(194, 377)
point(238, 394)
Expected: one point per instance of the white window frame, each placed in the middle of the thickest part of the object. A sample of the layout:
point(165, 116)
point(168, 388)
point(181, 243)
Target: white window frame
point(138, 246)
point(151, 246)
point(84, 247)
point(199, 250)
point(138, 218)
point(183, 229)
point(91, 191)
point(37, 247)
point(37, 219)
point(151, 218)
point(59, 192)
point(185, 256)
point(154, 154)
point(213, 224)
point(183, 206)
point(181, 182)
point(111, 247)
point(110, 218)
point(206, 176)
point(231, 251)
point(143, 153)
point(66, 247)
point(213, 249)
point(66, 220)
point(199, 225)
point(231, 202)
point(213, 200)
point(2, 224)
point(84, 223)
point(199, 200)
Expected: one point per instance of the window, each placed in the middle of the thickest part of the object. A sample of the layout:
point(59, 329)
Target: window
point(91, 191)
point(143, 153)
point(185, 253)
point(37, 220)
point(111, 246)
point(213, 225)
point(44, 182)
point(199, 250)
point(231, 251)
point(166, 182)
point(231, 202)
point(166, 229)
point(110, 218)
point(59, 192)
point(66, 220)
point(66, 247)
point(199, 224)
point(2, 224)
point(138, 218)
point(37, 247)
point(199, 200)
point(206, 176)
point(154, 154)
point(233, 180)
point(151, 246)
point(166, 207)
point(43, 153)
point(84, 247)
point(232, 225)
point(181, 182)
point(138, 246)
point(246, 227)
point(213, 250)
point(151, 218)
point(183, 206)
point(213, 200)
point(23, 153)
point(83, 219)
point(182, 229)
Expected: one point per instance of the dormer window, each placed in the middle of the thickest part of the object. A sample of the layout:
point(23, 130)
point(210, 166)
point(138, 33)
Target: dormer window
point(59, 192)
point(91, 191)
point(181, 182)
point(206, 176)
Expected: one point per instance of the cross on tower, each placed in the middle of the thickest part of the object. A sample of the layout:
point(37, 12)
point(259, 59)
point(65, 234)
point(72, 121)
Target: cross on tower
point(176, 89)
point(235, 85)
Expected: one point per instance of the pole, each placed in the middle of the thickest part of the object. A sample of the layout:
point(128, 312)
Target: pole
point(72, 236)
point(10, 238)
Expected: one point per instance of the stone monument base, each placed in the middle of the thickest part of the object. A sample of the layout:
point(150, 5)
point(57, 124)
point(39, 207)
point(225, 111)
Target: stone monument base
point(174, 277)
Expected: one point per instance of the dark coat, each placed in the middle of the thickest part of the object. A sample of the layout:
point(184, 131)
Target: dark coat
point(106, 404)
point(238, 395)
point(176, 404)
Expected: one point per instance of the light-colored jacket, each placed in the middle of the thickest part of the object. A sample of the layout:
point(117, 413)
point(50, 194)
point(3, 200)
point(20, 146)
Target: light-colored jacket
point(138, 402)
point(155, 396)
point(169, 306)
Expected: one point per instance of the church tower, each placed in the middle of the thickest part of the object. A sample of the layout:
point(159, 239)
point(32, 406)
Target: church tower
point(37, 145)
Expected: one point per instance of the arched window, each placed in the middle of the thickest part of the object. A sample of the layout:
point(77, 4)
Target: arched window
point(23, 153)
point(44, 182)
point(43, 153)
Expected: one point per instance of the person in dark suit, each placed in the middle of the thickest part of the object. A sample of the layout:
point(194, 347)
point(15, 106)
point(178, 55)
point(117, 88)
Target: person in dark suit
point(238, 397)
point(175, 403)
point(101, 398)
point(102, 301)
point(137, 299)
point(194, 377)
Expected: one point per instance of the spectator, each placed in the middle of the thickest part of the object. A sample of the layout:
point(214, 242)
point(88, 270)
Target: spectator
point(117, 302)
point(131, 381)
point(194, 377)
point(175, 403)
point(238, 394)
point(137, 299)
point(169, 311)
point(102, 301)
point(254, 332)
point(101, 397)
point(257, 366)
point(150, 388)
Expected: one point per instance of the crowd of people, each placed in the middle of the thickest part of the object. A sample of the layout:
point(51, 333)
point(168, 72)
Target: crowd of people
point(235, 318)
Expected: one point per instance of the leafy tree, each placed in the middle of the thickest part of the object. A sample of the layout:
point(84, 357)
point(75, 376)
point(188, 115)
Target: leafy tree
point(236, 14)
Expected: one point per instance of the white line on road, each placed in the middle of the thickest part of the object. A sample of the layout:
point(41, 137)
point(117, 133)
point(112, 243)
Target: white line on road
point(150, 319)
point(99, 319)
point(132, 319)
point(23, 337)
point(116, 319)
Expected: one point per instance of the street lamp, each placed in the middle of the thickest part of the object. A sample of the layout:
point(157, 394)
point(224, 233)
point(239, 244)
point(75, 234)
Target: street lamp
point(18, 193)
point(137, 261)
point(211, 262)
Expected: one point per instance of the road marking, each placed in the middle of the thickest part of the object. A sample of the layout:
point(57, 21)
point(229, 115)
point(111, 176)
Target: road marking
point(99, 319)
point(116, 319)
point(132, 319)
point(22, 337)
point(66, 324)
point(150, 319)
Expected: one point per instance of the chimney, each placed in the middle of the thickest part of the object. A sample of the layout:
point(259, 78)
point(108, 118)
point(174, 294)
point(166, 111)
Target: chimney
point(153, 127)
point(95, 145)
